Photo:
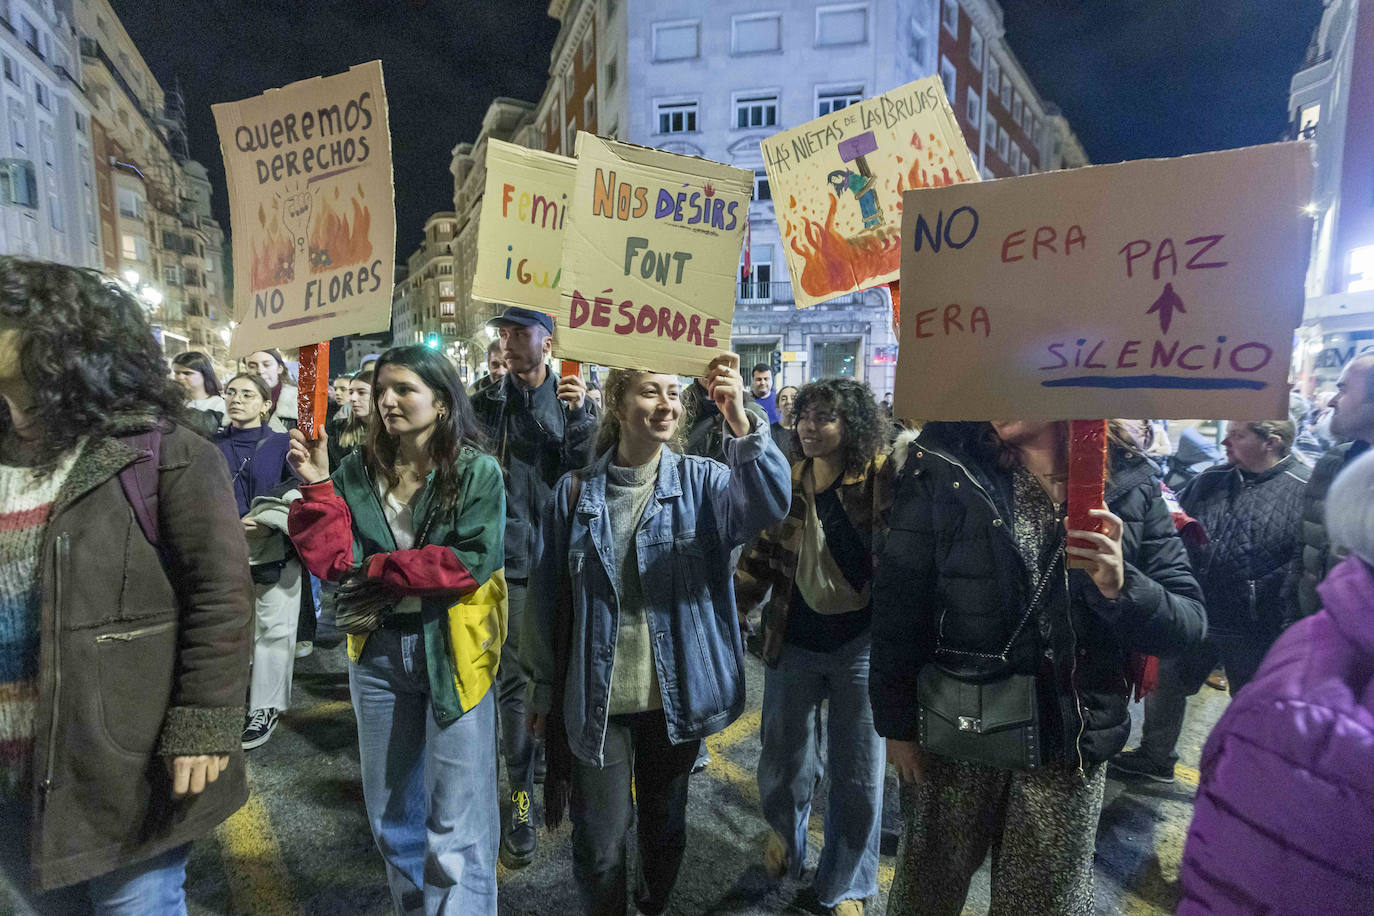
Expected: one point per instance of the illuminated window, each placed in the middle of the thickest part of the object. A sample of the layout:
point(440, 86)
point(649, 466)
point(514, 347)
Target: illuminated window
point(1361, 276)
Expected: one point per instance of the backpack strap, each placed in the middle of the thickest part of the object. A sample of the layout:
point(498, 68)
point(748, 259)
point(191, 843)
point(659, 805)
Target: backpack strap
point(139, 481)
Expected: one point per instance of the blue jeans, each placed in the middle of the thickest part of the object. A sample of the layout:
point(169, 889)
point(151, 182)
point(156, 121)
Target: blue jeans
point(790, 766)
point(430, 791)
point(152, 887)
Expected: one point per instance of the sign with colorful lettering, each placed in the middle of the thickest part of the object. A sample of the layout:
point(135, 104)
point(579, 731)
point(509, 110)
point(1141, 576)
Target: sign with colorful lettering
point(520, 234)
point(312, 207)
point(837, 185)
point(650, 256)
point(1159, 289)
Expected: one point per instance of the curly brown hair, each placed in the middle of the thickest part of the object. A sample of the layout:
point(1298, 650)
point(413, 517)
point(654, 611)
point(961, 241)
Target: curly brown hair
point(866, 430)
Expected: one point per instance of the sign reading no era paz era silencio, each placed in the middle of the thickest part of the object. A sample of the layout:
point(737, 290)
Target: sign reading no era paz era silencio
point(520, 233)
point(1159, 289)
point(837, 185)
point(312, 207)
point(650, 254)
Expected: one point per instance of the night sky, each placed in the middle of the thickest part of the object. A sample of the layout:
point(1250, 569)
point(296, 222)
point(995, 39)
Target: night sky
point(1136, 78)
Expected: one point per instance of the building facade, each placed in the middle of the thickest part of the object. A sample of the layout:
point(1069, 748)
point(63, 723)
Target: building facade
point(47, 175)
point(429, 297)
point(1330, 102)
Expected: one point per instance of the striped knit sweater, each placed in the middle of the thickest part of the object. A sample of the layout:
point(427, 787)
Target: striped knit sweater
point(25, 505)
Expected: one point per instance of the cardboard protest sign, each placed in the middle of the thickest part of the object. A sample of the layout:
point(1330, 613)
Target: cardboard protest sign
point(1160, 289)
point(312, 206)
point(650, 254)
point(520, 234)
point(837, 185)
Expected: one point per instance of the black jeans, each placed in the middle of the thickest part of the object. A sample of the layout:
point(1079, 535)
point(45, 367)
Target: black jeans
point(637, 748)
point(511, 683)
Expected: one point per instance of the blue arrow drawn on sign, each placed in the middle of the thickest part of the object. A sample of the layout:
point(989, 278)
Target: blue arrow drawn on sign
point(1167, 303)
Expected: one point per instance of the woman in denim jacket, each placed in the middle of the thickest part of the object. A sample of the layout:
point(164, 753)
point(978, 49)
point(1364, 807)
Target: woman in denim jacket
point(647, 661)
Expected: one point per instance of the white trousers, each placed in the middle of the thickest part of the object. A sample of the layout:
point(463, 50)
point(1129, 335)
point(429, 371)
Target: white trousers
point(274, 639)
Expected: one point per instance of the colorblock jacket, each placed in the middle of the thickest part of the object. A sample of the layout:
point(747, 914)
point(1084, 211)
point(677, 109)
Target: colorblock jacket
point(339, 526)
point(700, 511)
point(1284, 817)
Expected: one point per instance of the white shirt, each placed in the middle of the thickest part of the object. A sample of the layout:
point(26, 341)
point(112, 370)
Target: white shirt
point(400, 517)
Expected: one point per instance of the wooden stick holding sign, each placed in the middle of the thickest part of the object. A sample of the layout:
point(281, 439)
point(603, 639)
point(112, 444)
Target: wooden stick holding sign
point(312, 393)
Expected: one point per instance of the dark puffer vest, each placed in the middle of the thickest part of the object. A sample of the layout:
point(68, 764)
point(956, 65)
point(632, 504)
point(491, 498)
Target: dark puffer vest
point(1252, 531)
point(950, 576)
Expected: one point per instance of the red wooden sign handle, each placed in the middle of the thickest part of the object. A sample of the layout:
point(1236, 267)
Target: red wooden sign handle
point(312, 392)
point(1087, 476)
point(569, 367)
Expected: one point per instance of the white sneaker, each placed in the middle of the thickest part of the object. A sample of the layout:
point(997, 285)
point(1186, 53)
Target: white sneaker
point(304, 648)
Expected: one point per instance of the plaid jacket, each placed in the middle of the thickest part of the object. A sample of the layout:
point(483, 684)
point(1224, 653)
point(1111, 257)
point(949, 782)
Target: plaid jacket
point(768, 568)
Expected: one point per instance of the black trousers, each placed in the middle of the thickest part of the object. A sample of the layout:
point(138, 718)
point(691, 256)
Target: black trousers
point(636, 751)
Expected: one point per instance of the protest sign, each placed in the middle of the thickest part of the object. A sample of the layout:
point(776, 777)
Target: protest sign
point(311, 204)
point(650, 254)
point(837, 185)
point(520, 234)
point(1161, 289)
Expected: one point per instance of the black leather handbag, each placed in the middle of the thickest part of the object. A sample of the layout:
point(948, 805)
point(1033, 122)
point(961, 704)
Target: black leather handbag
point(992, 719)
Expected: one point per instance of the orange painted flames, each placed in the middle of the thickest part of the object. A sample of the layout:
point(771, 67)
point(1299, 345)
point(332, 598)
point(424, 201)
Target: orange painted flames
point(337, 241)
point(273, 262)
point(835, 263)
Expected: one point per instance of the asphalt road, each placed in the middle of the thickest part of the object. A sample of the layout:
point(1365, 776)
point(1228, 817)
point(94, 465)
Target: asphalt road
point(301, 845)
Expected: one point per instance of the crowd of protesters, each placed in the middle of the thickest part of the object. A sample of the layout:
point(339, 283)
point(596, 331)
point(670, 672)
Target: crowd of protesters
point(562, 580)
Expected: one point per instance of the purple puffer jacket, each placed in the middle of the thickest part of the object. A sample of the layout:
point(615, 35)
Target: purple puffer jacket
point(1284, 820)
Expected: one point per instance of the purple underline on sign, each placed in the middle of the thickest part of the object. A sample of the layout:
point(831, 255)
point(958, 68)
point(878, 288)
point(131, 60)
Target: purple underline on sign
point(1154, 381)
point(315, 178)
point(295, 321)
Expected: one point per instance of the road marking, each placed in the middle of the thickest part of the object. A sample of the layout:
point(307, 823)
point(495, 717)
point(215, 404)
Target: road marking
point(1187, 775)
point(746, 783)
point(258, 880)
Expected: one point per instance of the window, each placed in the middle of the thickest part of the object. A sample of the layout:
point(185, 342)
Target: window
point(975, 47)
point(994, 76)
point(49, 149)
point(841, 25)
point(949, 77)
point(29, 32)
point(171, 275)
point(1034, 128)
point(571, 148)
point(610, 73)
point(589, 109)
point(755, 34)
point(756, 110)
point(1014, 158)
point(989, 127)
point(834, 359)
point(586, 51)
point(132, 204)
point(676, 117)
point(82, 123)
point(917, 49)
point(12, 71)
point(1020, 114)
point(1360, 276)
point(1308, 116)
point(134, 248)
point(55, 213)
point(677, 40)
point(831, 100)
point(949, 16)
point(568, 84)
point(975, 109)
point(761, 189)
point(446, 309)
point(756, 285)
point(1003, 144)
point(1006, 91)
point(18, 135)
point(19, 184)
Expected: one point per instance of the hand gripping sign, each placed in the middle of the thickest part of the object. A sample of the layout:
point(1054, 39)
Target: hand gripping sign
point(1159, 289)
point(650, 257)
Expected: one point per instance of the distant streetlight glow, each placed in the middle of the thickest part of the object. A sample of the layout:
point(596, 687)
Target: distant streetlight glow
point(1311, 209)
point(151, 296)
point(131, 277)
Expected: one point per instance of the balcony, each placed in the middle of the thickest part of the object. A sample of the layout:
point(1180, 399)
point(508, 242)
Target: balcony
point(776, 292)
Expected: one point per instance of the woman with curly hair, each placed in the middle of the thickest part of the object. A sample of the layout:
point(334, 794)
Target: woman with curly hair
point(641, 658)
point(412, 527)
point(817, 565)
point(125, 616)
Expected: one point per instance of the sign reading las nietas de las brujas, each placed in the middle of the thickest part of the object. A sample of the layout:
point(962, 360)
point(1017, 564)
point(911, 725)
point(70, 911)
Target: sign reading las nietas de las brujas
point(650, 253)
point(520, 232)
point(1159, 289)
point(837, 185)
point(312, 208)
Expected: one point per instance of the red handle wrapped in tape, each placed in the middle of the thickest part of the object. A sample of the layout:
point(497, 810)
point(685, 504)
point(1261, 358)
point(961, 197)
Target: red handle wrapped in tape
point(312, 395)
point(1087, 475)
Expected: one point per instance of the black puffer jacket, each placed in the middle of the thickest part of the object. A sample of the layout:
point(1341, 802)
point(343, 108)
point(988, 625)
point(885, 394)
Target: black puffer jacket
point(1313, 556)
point(950, 575)
point(1252, 532)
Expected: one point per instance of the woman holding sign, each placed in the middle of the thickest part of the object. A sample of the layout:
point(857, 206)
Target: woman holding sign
point(410, 526)
point(631, 638)
point(999, 657)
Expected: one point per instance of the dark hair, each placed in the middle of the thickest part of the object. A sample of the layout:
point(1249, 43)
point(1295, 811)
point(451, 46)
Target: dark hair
point(761, 367)
point(494, 346)
point(353, 429)
point(613, 395)
point(87, 354)
point(197, 361)
point(455, 430)
point(865, 430)
point(263, 390)
point(362, 375)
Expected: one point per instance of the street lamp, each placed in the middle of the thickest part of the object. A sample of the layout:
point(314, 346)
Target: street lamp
point(151, 296)
point(131, 277)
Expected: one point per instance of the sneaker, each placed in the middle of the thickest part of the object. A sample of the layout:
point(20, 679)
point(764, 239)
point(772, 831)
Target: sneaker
point(1217, 680)
point(520, 838)
point(259, 727)
point(848, 908)
point(703, 759)
point(304, 648)
point(1135, 765)
point(774, 856)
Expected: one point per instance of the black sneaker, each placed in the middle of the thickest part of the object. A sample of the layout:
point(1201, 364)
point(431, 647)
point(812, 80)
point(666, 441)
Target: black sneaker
point(1135, 765)
point(259, 727)
point(520, 838)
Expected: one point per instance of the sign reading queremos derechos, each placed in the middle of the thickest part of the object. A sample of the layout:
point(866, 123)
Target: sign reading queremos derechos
point(1160, 289)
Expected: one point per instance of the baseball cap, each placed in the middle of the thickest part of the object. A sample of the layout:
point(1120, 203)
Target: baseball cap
point(527, 317)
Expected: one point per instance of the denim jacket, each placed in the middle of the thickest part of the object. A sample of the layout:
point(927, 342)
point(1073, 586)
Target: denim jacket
point(700, 511)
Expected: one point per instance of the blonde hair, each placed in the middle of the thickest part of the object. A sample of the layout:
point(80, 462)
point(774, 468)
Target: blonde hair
point(614, 392)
